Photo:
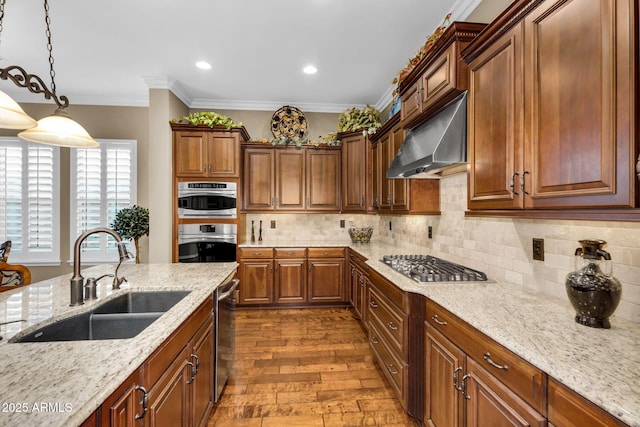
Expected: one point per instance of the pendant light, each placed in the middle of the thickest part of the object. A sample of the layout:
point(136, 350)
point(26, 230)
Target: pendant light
point(58, 129)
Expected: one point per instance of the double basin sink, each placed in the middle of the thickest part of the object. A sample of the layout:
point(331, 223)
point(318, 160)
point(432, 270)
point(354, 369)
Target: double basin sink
point(122, 317)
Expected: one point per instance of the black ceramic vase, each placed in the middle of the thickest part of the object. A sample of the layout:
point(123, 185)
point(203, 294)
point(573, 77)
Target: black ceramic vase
point(593, 291)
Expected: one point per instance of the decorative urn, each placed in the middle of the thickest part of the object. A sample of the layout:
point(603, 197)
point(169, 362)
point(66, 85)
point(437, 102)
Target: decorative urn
point(592, 290)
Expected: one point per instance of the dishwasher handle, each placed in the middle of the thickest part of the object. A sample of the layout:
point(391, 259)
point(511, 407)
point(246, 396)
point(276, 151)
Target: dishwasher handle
point(225, 295)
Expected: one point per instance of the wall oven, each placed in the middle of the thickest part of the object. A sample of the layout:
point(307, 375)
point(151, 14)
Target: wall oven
point(207, 242)
point(207, 199)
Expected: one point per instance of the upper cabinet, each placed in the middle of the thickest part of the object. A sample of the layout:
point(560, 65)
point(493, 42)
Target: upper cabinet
point(291, 179)
point(356, 172)
point(203, 152)
point(439, 77)
point(552, 107)
point(399, 195)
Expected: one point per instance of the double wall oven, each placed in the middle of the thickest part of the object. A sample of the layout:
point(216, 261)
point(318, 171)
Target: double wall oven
point(208, 239)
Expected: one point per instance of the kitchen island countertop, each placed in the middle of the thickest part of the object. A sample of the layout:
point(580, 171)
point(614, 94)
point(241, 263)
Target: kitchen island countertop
point(63, 383)
point(600, 364)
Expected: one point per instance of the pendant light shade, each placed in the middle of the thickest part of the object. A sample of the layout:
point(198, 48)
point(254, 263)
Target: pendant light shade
point(59, 129)
point(12, 116)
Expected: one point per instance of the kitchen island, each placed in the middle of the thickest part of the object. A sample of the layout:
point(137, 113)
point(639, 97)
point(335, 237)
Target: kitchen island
point(599, 364)
point(63, 383)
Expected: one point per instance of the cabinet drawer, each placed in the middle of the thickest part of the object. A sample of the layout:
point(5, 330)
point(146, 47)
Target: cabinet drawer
point(393, 367)
point(291, 252)
point(326, 252)
point(388, 318)
point(524, 379)
point(256, 252)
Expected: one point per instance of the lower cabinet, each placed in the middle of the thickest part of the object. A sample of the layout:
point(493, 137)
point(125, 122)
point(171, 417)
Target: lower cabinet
point(358, 281)
point(461, 389)
point(292, 276)
point(174, 386)
point(387, 319)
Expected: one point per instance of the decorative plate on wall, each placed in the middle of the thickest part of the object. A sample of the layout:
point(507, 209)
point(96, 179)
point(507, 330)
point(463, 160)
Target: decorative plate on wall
point(289, 123)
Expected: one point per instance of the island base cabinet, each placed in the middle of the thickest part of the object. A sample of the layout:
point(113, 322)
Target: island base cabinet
point(168, 398)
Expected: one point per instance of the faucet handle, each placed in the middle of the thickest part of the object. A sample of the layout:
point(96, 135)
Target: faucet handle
point(117, 281)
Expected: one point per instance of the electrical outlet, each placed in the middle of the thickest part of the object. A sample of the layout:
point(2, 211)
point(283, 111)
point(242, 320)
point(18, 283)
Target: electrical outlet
point(273, 224)
point(430, 232)
point(342, 223)
point(538, 249)
point(389, 225)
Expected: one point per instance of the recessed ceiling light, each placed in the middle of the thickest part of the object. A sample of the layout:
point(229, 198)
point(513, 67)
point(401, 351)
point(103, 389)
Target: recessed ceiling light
point(203, 65)
point(310, 69)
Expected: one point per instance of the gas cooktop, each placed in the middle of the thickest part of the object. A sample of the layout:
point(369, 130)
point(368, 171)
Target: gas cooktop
point(425, 268)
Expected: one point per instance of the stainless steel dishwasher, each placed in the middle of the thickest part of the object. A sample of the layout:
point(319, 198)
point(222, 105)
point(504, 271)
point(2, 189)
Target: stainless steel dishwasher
point(225, 326)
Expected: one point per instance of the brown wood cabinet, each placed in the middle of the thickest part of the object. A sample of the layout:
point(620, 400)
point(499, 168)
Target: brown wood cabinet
point(399, 195)
point(291, 179)
point(292, 276)
point(256, 276)
point(203, 152)
point(326, 275)
point(359, 277)
point(174, 386)
point(471, 380)
point(568, 409)
point(439, 77)
point(387, 319)
point(356, 172)
point(552, 107)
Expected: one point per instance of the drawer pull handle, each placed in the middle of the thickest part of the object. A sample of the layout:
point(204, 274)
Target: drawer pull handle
point(391, 370)
point(464, 387)
point(373, 340)
point(325, 253)
point(373, 304)
point(391, 326)
point(144, 401)
point(438, 321)
point(487, 357)
point(455, 379)
point(255, 253)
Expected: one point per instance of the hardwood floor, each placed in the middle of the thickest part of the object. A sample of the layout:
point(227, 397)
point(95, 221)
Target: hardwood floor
point(305, 367)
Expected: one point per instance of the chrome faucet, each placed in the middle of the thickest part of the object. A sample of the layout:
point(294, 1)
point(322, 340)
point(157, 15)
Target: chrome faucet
point(77, 281)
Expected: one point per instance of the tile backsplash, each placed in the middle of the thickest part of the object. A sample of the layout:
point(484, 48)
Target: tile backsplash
point(501, 247)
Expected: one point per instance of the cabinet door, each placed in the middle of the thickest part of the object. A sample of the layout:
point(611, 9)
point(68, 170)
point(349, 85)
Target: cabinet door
point(386, 157)
point(358, 297)
point(580, 104)
point(190, 154)
point(121, 408)
point(323, 180)
point(169, 397)
point(411, 102)
point(224, 155)
point(440, 78)
point(290, 281)
point(354, 164)
point(495, 130)
point(202, 357)
point(290, 180)
point(256, 281)
point(491, 403)
point(326, 280)
point(377, 174)
point(444, 365)
point(400, 187)
point(259, 179)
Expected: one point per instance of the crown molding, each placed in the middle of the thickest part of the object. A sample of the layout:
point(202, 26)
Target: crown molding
point(386, 98)
point(463, 8)
point(228, 104)
point(164, 82)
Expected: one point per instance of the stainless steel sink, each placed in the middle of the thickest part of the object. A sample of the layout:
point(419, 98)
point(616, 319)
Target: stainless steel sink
point(142, 302)
point(122, 317)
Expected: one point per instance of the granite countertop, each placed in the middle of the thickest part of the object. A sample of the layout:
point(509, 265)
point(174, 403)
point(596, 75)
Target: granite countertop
point(63, 383)
point(600, 364)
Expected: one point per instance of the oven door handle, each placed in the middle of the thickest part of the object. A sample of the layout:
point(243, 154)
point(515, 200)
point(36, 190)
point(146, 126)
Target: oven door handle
point(197, 239)
point(226, 294)
point(209, 213)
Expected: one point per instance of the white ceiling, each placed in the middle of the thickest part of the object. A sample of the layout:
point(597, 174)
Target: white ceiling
point(111, 53)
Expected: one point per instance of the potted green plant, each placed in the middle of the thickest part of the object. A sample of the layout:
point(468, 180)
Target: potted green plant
point(208, 118)
point(132, 223)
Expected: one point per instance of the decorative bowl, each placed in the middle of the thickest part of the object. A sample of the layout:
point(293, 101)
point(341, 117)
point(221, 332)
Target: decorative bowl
point(360, 235)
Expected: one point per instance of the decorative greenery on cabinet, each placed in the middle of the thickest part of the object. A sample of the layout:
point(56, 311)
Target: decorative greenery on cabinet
point(208, 118)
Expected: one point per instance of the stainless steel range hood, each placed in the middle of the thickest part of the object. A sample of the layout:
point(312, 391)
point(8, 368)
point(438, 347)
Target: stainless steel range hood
point(439, 142)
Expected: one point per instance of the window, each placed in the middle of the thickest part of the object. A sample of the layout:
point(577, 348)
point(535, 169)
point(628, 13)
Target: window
point(103, 181)
point(29, 201)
